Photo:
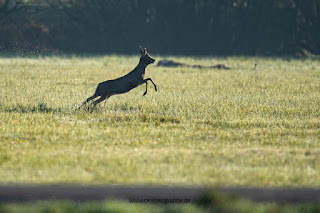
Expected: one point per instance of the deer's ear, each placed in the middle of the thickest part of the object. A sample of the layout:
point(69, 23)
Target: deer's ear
point(143, 50)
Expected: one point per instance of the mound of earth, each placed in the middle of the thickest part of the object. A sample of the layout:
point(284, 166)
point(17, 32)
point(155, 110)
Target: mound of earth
point(171, 63)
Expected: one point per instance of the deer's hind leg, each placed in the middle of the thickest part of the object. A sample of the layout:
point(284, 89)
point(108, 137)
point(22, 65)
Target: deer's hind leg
point(102, 98)
point(89, 99)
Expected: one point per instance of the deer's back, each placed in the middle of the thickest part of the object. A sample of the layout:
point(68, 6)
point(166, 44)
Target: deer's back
point(116, 86)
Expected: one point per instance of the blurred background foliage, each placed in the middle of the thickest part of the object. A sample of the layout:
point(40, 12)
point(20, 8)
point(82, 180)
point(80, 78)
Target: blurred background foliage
point(185, 27)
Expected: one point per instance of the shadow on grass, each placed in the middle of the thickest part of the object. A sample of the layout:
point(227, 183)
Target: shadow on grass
point(148, 118)
point(129, 113)
point(40, 108)
point(215, 201)
point(212, 201)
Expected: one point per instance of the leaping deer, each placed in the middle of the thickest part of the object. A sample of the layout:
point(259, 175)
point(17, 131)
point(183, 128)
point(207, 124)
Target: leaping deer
point(125, 83)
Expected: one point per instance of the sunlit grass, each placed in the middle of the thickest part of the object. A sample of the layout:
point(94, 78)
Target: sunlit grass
point(213, 127)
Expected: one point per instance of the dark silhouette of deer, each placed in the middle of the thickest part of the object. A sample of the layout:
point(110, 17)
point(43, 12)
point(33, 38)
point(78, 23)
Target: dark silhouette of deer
point(125, 83)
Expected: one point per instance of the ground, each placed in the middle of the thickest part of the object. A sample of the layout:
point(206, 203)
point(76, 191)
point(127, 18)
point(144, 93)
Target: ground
point(238, 127)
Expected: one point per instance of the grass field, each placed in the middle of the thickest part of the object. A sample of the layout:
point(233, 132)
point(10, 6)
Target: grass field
point(239, 127)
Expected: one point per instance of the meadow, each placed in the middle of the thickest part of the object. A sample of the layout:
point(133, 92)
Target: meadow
point(238, 127)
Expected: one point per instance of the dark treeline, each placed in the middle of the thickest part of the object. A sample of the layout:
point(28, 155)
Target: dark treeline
point(218, 27)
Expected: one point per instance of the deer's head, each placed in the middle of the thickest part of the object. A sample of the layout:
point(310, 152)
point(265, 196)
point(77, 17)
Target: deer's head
point(145, 57)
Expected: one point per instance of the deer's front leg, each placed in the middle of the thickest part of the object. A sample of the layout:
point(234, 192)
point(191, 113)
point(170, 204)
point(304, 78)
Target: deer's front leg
point(146, 88)
point(146, 82)
point(155, 86)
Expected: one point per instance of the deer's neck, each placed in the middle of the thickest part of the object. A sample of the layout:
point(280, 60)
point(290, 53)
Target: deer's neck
point(140, 68)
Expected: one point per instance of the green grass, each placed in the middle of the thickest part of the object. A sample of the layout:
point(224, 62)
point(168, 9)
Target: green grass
point(235, 127)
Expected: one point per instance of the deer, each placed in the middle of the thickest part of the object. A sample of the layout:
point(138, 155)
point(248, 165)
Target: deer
point(125, 83)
